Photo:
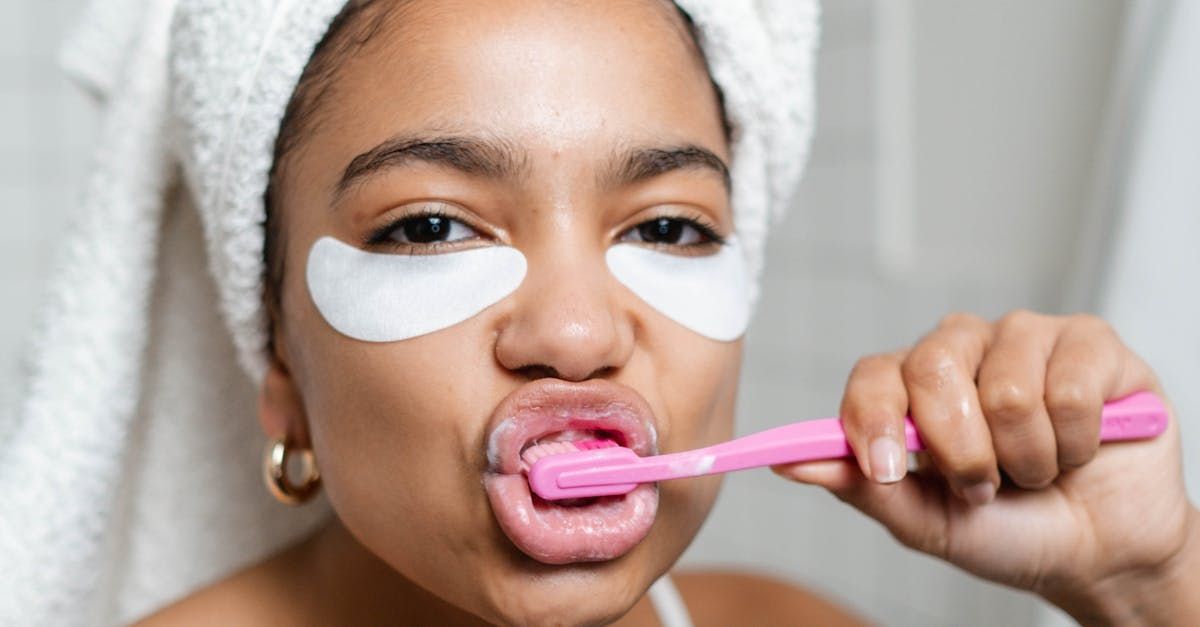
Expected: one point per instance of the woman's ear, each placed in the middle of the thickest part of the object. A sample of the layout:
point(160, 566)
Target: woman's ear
point(280, 410)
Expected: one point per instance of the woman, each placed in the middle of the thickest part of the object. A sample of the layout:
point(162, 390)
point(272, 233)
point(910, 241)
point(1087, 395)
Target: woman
point(476, 216)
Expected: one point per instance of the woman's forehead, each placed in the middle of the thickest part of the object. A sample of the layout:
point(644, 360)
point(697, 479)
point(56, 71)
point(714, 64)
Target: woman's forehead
point(539, 73)
point(425, 21)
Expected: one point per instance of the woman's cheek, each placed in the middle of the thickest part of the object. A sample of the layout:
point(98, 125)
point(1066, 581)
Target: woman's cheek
point(395, 444)
point(697, 379)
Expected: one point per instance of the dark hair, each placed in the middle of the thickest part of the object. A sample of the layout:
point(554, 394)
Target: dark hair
point(350, 30)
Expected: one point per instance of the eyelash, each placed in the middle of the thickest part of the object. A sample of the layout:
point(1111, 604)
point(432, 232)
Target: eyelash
point(382, 236)
point(705, 228)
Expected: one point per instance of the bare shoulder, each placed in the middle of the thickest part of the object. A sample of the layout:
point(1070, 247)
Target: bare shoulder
point(256, 595)
point(735, 598)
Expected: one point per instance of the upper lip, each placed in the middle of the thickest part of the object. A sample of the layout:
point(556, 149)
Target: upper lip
point(546, 406)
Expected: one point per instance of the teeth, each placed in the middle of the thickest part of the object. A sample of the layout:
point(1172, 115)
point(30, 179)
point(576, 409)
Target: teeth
point(538, 451)
point(560, 442)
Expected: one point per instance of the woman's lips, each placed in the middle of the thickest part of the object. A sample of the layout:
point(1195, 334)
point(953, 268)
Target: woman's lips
point(558, 534)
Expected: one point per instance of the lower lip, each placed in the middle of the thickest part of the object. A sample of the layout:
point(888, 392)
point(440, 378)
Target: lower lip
point(603, 529)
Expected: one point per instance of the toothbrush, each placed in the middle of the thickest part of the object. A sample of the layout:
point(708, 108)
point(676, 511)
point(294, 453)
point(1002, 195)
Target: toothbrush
point(571, 470)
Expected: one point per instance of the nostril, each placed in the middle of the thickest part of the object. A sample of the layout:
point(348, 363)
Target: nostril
point(538, 371)
point(602, 371)
point(541, 371)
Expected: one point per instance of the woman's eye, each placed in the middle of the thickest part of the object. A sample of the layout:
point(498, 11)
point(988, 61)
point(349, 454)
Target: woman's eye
point(670, 231)
point(430, 229)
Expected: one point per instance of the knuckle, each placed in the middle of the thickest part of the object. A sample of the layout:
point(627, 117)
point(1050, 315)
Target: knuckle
point(1092, 326)
point(929, 367)
point(1068, 400)
point(960, 319)
point(1006, 403)
point(871, 364)
point(1088, 321)
point(1019, 318)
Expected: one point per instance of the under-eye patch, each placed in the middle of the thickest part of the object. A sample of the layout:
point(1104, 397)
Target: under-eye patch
point(708, 294)
point(378, 297)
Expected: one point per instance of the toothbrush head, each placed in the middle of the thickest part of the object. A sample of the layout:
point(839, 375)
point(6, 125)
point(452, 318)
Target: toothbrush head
point(543, 464)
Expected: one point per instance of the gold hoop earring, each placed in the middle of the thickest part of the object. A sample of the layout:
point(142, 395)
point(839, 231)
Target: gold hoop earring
point(275, 458)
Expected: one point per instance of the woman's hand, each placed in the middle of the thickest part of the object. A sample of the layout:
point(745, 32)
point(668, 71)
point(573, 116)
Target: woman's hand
point(1106, 532)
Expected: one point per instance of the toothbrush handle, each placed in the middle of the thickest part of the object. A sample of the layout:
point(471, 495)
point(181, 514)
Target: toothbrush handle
point(1138, 416)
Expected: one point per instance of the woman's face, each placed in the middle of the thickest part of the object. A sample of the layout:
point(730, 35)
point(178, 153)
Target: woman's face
point(537, 125)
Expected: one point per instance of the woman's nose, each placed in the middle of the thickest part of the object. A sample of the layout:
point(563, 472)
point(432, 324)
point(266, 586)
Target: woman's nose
point(566, 323)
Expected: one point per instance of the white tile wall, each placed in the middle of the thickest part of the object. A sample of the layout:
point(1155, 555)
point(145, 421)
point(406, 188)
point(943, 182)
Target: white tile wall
point(1007, 104)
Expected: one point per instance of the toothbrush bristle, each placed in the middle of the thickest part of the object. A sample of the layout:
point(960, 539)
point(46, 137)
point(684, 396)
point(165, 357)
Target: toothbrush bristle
point(530, 455)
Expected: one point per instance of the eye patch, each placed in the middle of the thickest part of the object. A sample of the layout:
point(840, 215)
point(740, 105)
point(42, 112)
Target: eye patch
point(708, 294)
point(378, 297)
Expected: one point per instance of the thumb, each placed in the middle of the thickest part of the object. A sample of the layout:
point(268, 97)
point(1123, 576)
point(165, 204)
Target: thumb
point(915, 509)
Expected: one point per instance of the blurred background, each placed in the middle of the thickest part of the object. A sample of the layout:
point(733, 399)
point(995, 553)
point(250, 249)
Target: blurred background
point(970, 156)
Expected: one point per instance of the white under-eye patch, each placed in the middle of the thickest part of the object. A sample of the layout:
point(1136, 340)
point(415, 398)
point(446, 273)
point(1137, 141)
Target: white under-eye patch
point(379, 297)
point(708, 294)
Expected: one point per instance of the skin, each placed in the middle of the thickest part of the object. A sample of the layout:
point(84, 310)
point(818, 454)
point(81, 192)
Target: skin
point(1105, 532)
point(423, 404)
point(398, 429)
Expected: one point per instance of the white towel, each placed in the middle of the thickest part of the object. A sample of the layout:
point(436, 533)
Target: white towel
point(130, 475)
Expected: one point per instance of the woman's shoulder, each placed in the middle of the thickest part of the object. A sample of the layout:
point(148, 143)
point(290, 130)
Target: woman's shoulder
point(257, 595)
point(262, 595)
point(739, 598)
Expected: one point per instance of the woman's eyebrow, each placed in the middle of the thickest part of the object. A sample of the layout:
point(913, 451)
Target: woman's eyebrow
point(497, 159)
point(491, 158)
point(642, 163)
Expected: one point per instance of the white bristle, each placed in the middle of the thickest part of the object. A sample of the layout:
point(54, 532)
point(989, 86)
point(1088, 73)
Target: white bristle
point(539, 450)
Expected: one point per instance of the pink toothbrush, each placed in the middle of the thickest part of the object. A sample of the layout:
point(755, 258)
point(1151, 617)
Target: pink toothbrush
point(600, 467)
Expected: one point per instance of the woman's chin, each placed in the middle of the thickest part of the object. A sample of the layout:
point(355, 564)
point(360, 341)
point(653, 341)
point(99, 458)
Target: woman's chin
point(581, 593)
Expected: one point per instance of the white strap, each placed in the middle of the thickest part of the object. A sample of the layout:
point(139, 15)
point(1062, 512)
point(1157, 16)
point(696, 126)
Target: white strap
point(669, 605)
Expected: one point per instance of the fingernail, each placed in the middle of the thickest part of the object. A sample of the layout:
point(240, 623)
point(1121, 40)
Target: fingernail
point(981, 493)
point(887, 460)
